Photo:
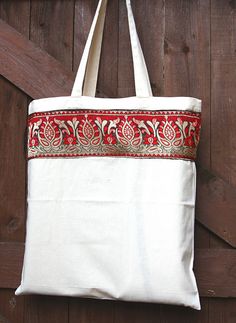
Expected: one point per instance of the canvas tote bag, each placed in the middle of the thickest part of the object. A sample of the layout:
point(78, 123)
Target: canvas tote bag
point(111, 189)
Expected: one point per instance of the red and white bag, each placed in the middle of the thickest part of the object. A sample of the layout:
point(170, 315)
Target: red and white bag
point(111, 189)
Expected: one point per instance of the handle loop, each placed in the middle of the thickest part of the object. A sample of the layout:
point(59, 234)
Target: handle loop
point(87, 74)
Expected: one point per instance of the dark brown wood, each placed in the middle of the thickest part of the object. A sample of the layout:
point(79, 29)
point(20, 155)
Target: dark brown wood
point(152, 43)
point(38, 74)
point(49, 19)
point(216, 206)
point(11, 255)
point(125, 72)
point(179, 48)
point(13, 112)
point(16, 14)
point(222, 311)
point(108, 71)
point(30, 68)
point(189, 47)
point(91, 311)
point(137, 312)
point(178, 314)
point(217, 243)
point(223, 112)
point(11, 307)
point(215, 269)
point(201, 236)
point(222, 120)
point(45, 309)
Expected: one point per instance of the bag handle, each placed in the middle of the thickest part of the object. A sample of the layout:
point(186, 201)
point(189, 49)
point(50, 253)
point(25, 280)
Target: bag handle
point(86, 78)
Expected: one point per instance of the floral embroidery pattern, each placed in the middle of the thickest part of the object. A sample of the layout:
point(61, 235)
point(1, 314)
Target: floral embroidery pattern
point(135, 133)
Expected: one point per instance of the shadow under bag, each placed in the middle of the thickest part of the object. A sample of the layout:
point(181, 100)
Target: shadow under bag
point(111, 189)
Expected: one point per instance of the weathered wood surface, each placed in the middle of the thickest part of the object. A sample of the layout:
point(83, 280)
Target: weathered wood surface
point(223, 94)
point(31, 68)
point(189, 47)
point(216, 205)
point(11, 255)
point(54, 19)
point(12, 162)
point(11, 307)
point(13, 112)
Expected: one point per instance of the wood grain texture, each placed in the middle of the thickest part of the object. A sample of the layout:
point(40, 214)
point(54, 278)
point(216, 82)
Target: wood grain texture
point(125, 72)
point(11, 255)
point(223, 76)
point(45, 309)
point(11, 307)
point(16, 14)
point(182, 40)
point(216, 242)
point(136, 312)
point(13, 112)
point(51, 28)
point(216, 271)
point(222, 311)
point(216, 207)
point(178, 314)
point(152, 43)
point(201, 236)
point(30, 68)
point(189, 47)
point(91, 311)
point(108, 71)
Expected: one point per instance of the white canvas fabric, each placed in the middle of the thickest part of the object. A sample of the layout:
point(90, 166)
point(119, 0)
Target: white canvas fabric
point(115, 226)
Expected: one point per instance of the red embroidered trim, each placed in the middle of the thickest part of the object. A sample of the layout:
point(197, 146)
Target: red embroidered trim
point(79, 133)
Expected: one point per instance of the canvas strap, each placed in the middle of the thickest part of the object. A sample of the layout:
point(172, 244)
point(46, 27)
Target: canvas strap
point(86, 78)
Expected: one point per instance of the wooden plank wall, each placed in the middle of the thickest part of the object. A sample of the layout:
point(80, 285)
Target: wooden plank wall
point(190, 48)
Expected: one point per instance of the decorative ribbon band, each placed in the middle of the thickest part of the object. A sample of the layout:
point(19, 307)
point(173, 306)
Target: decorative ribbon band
point(135, 133)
